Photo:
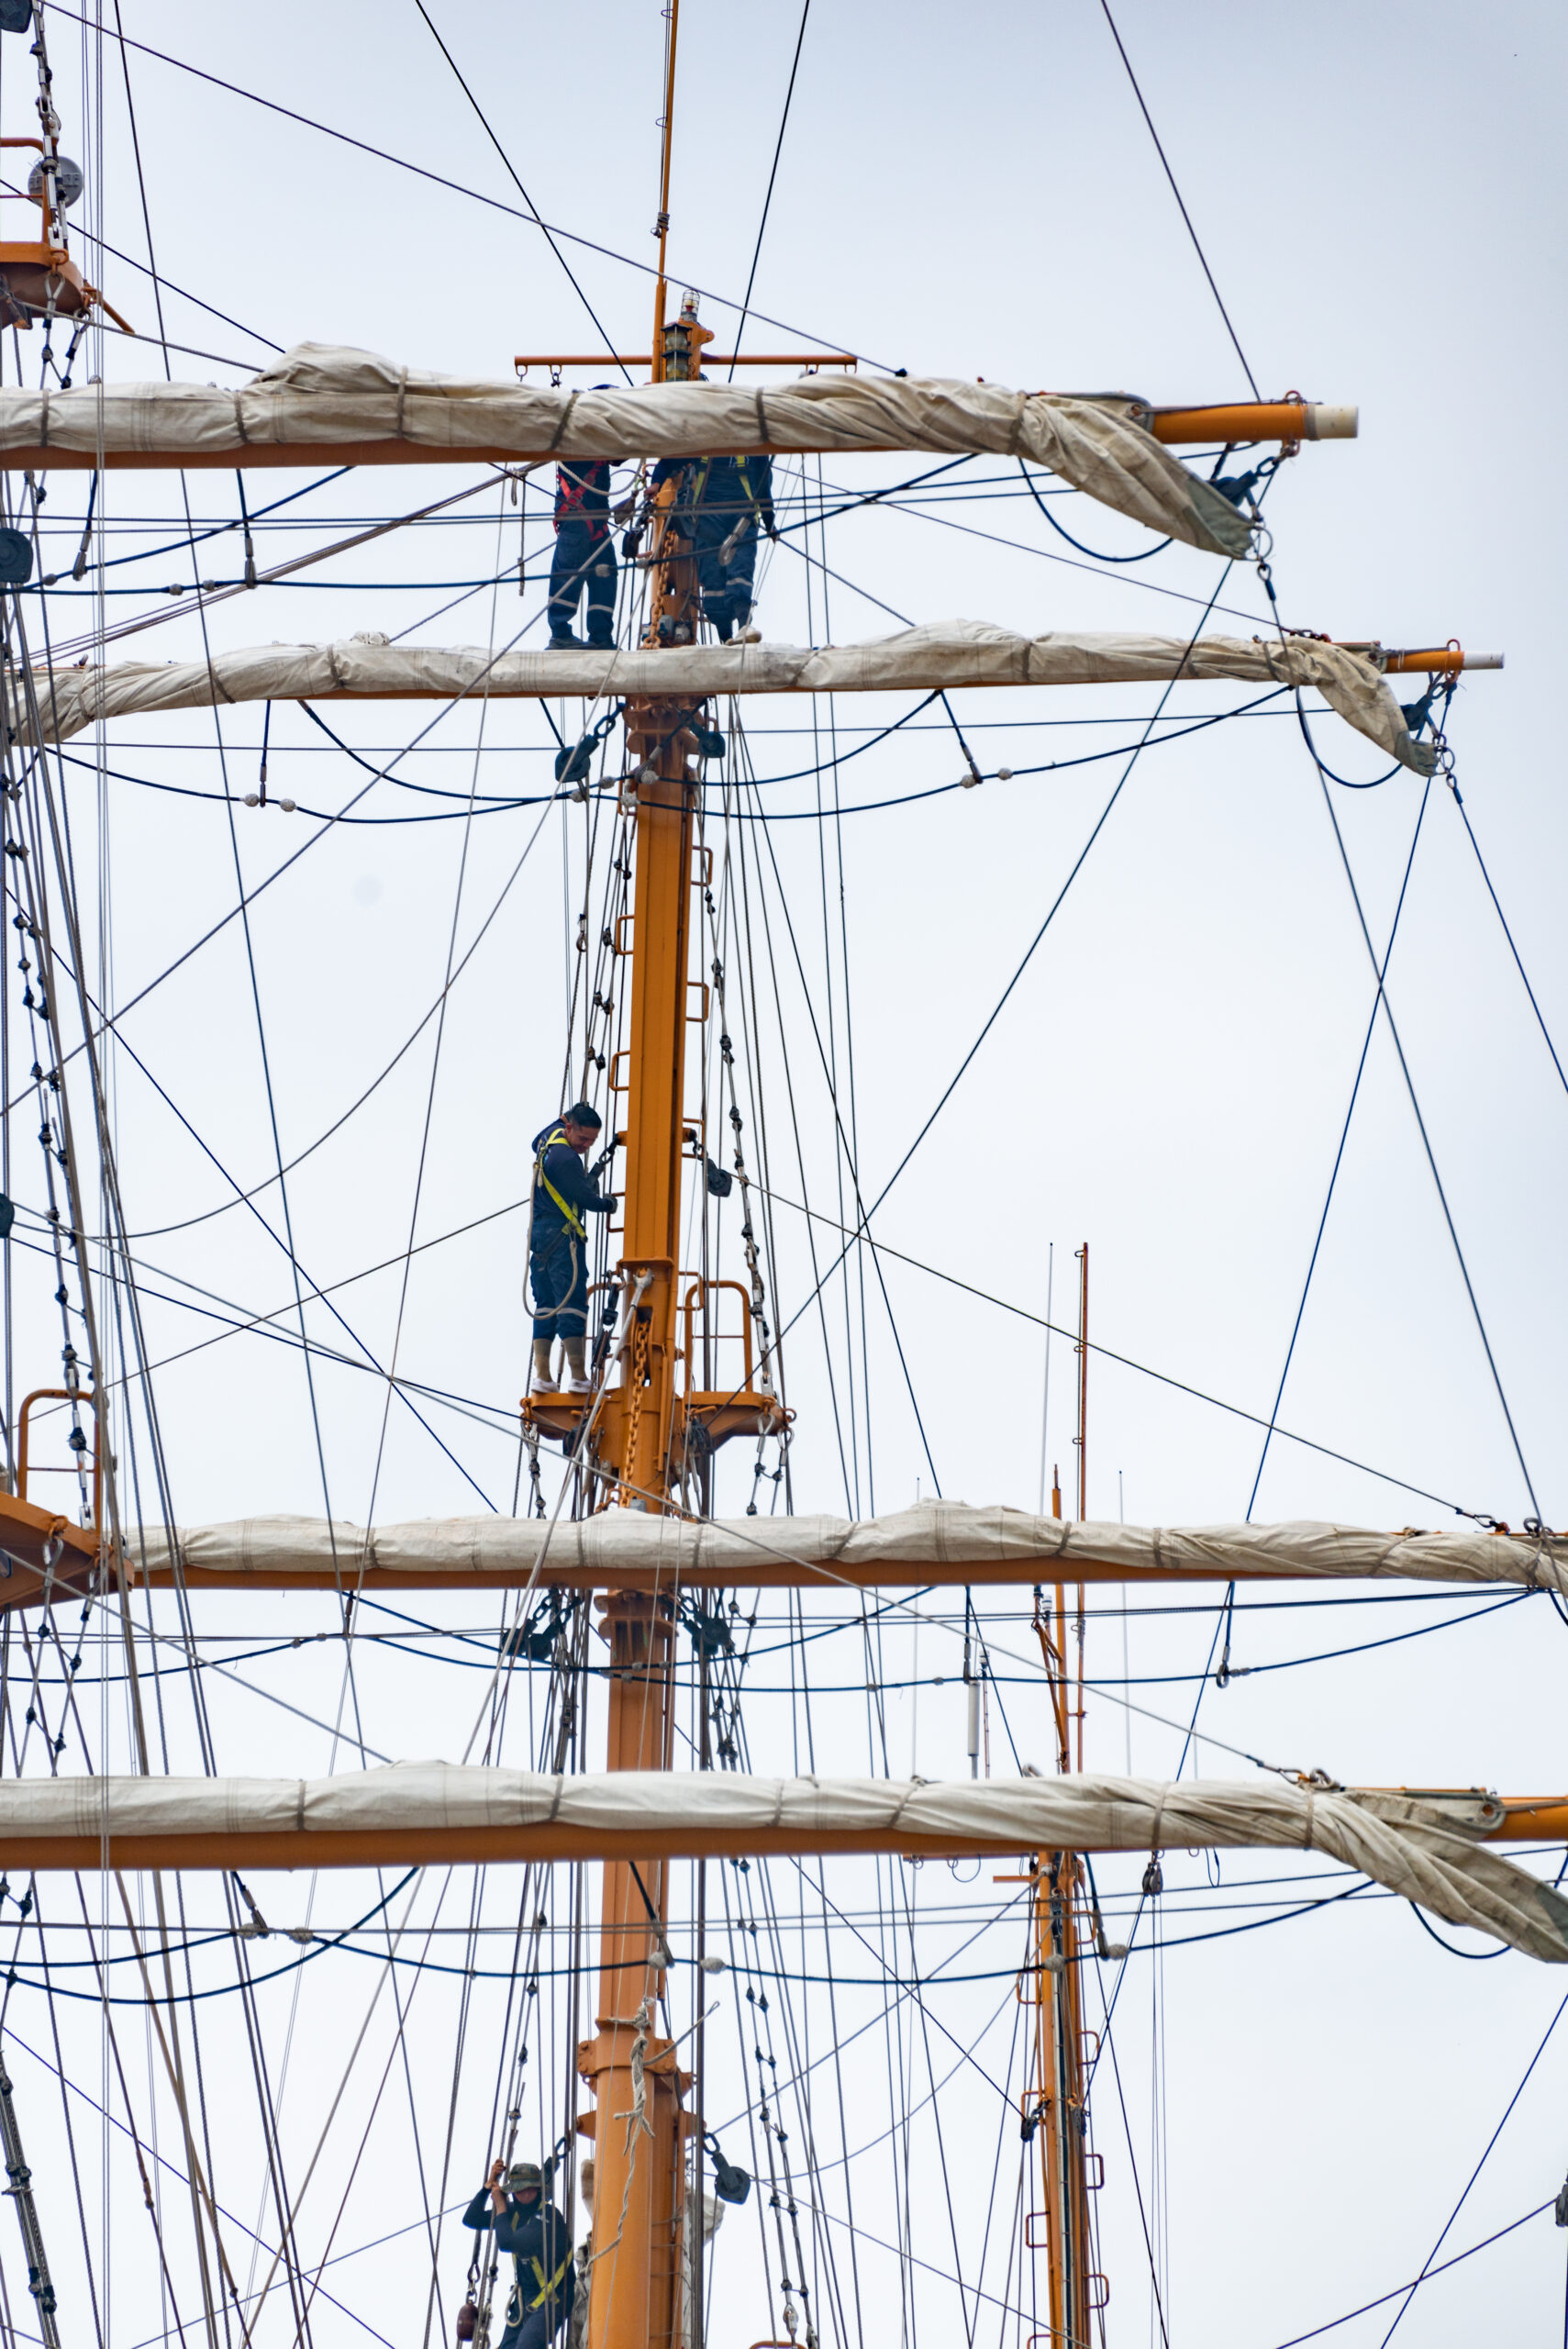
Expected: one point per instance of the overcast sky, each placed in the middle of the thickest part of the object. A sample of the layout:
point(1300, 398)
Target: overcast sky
point(1378, 194)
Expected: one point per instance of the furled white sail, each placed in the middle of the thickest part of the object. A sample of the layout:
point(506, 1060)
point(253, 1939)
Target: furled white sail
point(935, 1542)
point(318, 397)
point(1427, 1850)
point(947, 653)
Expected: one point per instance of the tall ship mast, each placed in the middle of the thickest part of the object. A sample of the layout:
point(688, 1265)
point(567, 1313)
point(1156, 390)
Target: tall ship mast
point(650, 1987)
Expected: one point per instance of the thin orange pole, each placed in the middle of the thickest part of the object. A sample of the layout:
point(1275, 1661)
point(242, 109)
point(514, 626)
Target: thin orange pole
point(1082, 1457)
point(1059, 2038)
point(662, 226)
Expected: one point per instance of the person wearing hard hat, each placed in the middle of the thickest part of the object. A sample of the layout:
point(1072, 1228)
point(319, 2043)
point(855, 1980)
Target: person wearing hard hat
point(532, 2234)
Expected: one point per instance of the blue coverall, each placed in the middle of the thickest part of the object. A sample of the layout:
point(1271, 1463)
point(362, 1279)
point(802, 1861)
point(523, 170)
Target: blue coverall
point(585, 553)
point(722, 498)
point(534, 2235)
point(558, 1256)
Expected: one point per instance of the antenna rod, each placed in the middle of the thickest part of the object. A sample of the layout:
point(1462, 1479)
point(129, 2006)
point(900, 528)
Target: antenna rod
point(1082, 1438)
point(662, 226)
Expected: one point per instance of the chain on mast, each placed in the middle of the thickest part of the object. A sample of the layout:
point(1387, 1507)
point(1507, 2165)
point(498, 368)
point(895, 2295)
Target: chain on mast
point(21, 2192)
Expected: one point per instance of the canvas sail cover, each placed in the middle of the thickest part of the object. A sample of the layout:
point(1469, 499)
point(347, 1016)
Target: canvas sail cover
point(1427, 1850)
point(947, 653)
point(319, 396)
point(937, 1540)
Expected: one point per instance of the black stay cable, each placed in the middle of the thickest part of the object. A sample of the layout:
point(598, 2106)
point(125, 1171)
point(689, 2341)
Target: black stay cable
point(1475, 2173)
point(1373, 783)
point(1426, 1140)
point(997, 1011)
point(772, 175)
point(1093, 552)
point(1477, 1956)
point(1338, 1156)
point(550, 239)
point(438, 179)
point(1181, 206)
point(1507, 933)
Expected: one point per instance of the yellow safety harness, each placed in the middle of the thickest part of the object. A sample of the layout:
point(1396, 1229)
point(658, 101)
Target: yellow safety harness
point(547, 2285)
point(699, 484)
point(573, 1220)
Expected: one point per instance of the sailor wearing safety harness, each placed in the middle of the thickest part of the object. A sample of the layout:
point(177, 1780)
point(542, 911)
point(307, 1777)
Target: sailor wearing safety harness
point(533, 2233)
point(585, 556)
point(563, 1198)
point(720, 504)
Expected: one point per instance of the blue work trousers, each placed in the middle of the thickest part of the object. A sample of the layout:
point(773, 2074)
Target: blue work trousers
point(558, 1275)
point(582, 561)
point(537, 2329)
point(726, 587)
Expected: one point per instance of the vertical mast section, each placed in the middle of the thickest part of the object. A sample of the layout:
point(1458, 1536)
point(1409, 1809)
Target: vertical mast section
point(1060, 2114)
point(639, 2189)
point(633, 2283)
point(639, 1416)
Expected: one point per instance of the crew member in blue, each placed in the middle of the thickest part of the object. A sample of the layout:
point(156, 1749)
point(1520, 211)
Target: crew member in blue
point(585, 553)
point(533, 2234)
point(720, 505)
point(563, 1198)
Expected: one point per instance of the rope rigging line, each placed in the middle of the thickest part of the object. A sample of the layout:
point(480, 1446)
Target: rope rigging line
point(316, 1290)
point(1318, 2331)
point(1235, 1411)
point(1142, 556)
point(92, 1033)
point(1426, 1140)
point(1507, 933)
point(772, 175)
point(1375, 782)
point(1339, 1151)
point(845, 1146)
point(407, 1263)
point(549, 236)
point(1181, 206)
point(995, 1013)
point(1411, 2289)
point(1049, 554)
point(457, 188)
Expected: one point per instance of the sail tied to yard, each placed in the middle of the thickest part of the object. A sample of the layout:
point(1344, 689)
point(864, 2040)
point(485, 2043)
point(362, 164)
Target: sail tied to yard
point(909, 1546)
point(53, 705)
point(319, 396)
point(1427, 1849)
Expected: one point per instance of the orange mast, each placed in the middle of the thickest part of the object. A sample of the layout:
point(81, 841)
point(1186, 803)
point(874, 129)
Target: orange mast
point(1056, 2111)
point(637, 2126)
point(639, 2171)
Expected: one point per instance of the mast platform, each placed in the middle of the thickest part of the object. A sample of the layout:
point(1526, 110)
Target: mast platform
point(705, 1418)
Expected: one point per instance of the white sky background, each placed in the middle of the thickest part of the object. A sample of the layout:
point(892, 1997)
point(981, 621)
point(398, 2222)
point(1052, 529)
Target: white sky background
point(1378, 194)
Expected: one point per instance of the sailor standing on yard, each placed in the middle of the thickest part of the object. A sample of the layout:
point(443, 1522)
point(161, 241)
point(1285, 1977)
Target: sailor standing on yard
point(720, 505)
point(532, 2233)
point(563, 1197)
point(585, 555)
